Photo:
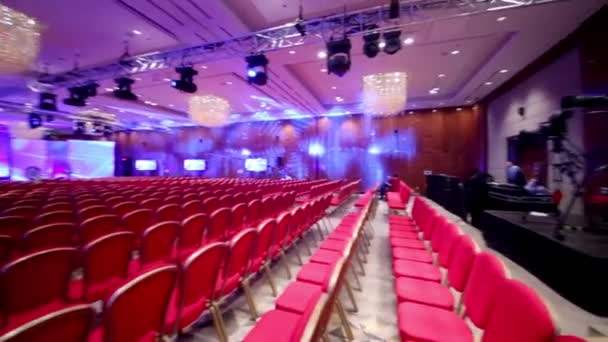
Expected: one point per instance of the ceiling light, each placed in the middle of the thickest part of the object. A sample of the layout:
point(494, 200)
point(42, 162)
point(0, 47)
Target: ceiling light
point(347, 112)
point(434, 91)
point(186, 80)
point(434, 110)
point(79, 95)
point(469, 101)
point(339, 99)
point(384, 93)
point(408, 41)
point(441, 75)
point(48, 101)
point(20, 41)
point(35, 120)
point(228, 83)
point(441, 103)
point(459, 109)
point(109, 89)
point(454, 52)
point(209, 110)
point(410, 112)
point(488, 83)
point(504, 71)
point(323, 70)
point(137, 32)
point(334, 87)
point(256, 69)
point(322, 54)
point(123, 90)
point(292, 52)
point(393, 42)
point(501, 18)
point(203, 67)
point(382, 44)
point(338, 59)
point(371, 46)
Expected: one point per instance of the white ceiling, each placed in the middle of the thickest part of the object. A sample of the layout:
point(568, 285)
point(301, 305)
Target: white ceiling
point(297, 87)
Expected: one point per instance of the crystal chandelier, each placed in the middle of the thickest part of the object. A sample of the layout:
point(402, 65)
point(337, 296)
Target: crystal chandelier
point(19, 41)
point(385, 93)
point(209, 110)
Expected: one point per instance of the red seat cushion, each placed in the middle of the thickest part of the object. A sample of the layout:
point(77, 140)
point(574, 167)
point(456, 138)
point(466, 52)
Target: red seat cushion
point(333, 245)
point(418, 270)
point(424, 292)
point(413, 255)
point(419, 322)
point(403, 228)
point(18, 319)
point(338, 235)
point(400, 218)
point(325, 256)
point(394, 200)
point(277, 325)
point(407, 243)
point(318, 274)
point(400, 234)
point(299, 297)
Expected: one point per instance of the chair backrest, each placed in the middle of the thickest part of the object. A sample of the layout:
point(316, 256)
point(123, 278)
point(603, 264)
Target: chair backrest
point(57, 206)
point(87, 202)
point(55, 216)
point(218, 223)
point(199, 276)
point(464, 252)
point(151, 203)
point(240, 251)
point(487, 275)
point(49, 236)
point(97, 226)
point(266, 235)
point(192, 207)
point(282, 233)
point(107, 257)
point(172, 199)
point(193, 228)
point(237, 216)
point(451, 233)
point(158, 241)
point(239, 198)
point(13, 226)
point(69, 324)
point(210, 204)
point(25, 211)
point(92, 211)
point(253, 210)
point(36, 279)
point(519, 314)
point(168, 212)
point(7, 244)
point(137, 309)
point(226, 201)
point(137, 221)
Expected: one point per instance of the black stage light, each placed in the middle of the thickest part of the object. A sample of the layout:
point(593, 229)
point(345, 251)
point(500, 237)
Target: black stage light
point(79, 128)
point(91, 89)
point(371, 43)
point(338, 56)
point(124, 89)
point(393, 42)
point(107, 131)
point(393, 10)
point(256, 69)
point(48, 101)
point(35, 120)
point(78, 97)
point(186, 80)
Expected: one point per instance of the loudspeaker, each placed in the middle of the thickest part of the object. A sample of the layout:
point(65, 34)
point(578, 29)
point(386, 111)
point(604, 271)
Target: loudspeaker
point(279, 161)
point(125, 167)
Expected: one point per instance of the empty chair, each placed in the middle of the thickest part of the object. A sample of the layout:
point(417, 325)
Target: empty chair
point(192, 207)
point(261, 253)
point(105, 263)
point(114, 200)
point(225, 201)
point(151, 203)
point(92, 211)
point(32, 202)
point(96, 227)
point(13, 226)
point(26, 211)
point(137, 221)
point(72, 323)
point(173, 198)
point(49, 236)
point(7, 243)
point(157, 243)
point(192, 296)
point(237, 218)
point(210, 205)
point(191, 234)
point(136, 311)
point(87, 202)
point(239, 198)
point(219, 221)
point(168, 212)
point(254, 212)
point(35, 284)
point(52, 206)
point(123, 208)
point(57, 216)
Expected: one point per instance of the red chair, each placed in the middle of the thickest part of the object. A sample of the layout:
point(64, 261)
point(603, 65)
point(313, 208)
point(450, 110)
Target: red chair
point(192, 296)
point(88, 202)
point(192, 207)
point(96, 227)
point(7, 244)
point(191, 235)
point(281, 242)
point(27, 212)
point(58, 216)
point(49, 236)
point(225, 201)
point(168, 212)
point(52, 206)
point(261, 254)
point(151, 203)
point(239, 198)
point(122, 208)
point(254, 208)
point(210, 205)
point(105, 266)
point(157, 243)
point(13, 226)
point(92, 211)
point(35, 284)
point(172, 199)
point(72, 323)
point(136, 310)
point(28, 202)
point(218, 223)
point(237, 218)
point(137, 221)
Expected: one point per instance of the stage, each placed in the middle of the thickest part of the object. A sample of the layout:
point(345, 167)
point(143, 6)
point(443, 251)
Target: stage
point(576, 267)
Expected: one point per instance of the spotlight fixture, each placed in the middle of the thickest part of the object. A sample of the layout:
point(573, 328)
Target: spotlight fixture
point(338, 56)
point(256, 69)
point(35, 120)
point(371, 46)
point(393, 9)
point(299, 25)
point(123, 90)
point(91, 89)
point(107, 131)
point(393, 42)
point(48, 101)
point(186, 80)
point(78, 97)
point(79, 128)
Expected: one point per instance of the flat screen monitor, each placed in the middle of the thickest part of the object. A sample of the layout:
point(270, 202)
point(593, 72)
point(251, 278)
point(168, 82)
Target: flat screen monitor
point(145, 165)
point(256, 164)
point(195, 164)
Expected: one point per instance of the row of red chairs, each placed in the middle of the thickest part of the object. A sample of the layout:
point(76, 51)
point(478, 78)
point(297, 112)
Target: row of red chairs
point(503, 308)
point(303, 310)
point(319, 190)
point(398, 199)
point(205, 279)
point(345, 192)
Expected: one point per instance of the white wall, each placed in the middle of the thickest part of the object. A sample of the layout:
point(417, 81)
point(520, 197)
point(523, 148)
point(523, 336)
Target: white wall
point(540, 95)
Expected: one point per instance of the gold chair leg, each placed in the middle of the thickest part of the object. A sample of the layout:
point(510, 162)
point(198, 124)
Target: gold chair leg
point(324, 338)
point(362, 255)
point(362, 270)
point(285, 264)
point(344, 320)
point(308, 250)
point(298, 255)
point(249, 299)
point(270, 280)
point(320, 232)
point(351, 295)
point(359, 287)
point(218, 322)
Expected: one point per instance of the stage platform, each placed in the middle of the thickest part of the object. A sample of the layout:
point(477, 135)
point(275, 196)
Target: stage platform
point(576, 268)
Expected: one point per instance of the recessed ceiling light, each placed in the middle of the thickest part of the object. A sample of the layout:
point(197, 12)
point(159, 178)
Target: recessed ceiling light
point(166, 79)
point(138, 78)
point(441, 75)
point(334, 87)
point(501, 18)
point(137, 32)
point(441, 103)
point(459, 109)
point(408, 41)
point(228, 83)
point(410, 112)
point(434, 91)
point(322, 54)
point(454, 52)
point(488, 83)
point(292, 52)
point(339, 99)
point(469, 101)
point(504, 71)
point(434, 110)
point(203, 67)
point(171, 105)
point(95, 108)
point(323, 70)
point(109, 89)
point(347, 112)
point(382, 44)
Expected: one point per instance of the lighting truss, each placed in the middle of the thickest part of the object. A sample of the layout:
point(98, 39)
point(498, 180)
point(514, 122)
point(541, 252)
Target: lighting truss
point(318, 29)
